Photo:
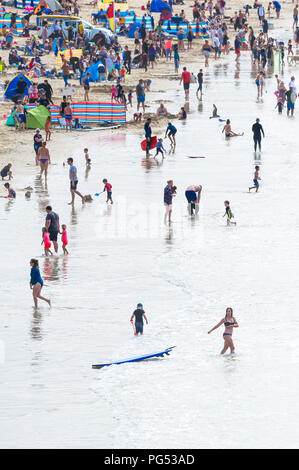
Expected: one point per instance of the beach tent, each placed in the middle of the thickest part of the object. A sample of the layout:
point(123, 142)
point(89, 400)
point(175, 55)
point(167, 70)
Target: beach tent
point(36, 118)
point(93, 70)
point(51, 5)
point(11, 89)
point(157, 6)
point(10, 121)
point(133, 28)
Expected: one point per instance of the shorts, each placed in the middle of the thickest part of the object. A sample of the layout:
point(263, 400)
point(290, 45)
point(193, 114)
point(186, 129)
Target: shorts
point(53, 234)
point(199, 87)
point(138, 327)
point(109, 195)
point(136, 41)
point(256, 183)
point(3, 174)
point(186, 86)
point(191, 196)
point(159, 150)
point(237, 51)
point(171, 133)
point(176, 64)
point(86, 87)
point(74, 185)
point(290, 105)
point(141, 98)
point(21, 118)
point(206, 53)
point(36, 147)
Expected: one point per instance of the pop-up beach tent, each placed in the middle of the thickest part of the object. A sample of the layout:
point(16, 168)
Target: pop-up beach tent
point(36, 118)
point(157, 6)
point(133, 27)
point(11, 89)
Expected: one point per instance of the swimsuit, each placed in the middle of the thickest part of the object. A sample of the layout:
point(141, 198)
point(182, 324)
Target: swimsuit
point(228, 323)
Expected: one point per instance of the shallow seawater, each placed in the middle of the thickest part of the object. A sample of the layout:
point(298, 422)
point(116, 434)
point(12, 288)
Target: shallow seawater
point(185, 275)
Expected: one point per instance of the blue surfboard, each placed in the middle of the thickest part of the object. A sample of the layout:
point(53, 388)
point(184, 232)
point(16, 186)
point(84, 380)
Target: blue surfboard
point(135, 359)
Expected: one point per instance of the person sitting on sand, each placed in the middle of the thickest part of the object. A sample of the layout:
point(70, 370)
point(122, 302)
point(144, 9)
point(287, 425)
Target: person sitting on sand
point(228, 130)
point(161, 111)
point(214, 113)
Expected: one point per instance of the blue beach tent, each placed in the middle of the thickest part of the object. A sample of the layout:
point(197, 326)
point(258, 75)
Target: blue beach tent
point(157, 6)
point(11, 89)
point(133, 27)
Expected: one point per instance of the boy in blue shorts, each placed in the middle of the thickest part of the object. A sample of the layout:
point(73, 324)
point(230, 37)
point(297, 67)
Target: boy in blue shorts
point(139, 315)
point(256, 179)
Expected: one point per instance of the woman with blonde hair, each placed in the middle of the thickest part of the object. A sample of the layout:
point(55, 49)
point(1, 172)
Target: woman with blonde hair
point(229, 323)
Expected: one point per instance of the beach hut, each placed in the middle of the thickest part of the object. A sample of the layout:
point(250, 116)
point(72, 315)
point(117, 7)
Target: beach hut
point(11, 89)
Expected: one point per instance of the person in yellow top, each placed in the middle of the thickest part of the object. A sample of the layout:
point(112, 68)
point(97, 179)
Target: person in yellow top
point(81, 29)
point(2, 65)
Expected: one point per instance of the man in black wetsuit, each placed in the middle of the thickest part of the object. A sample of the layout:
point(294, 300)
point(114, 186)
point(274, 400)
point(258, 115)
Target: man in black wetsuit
point(257, 129)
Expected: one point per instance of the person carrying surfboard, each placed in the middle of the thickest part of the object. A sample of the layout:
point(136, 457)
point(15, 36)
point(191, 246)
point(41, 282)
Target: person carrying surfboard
point(139, 315)
point(148, 135)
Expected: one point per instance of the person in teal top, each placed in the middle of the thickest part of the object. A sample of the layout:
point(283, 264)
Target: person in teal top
point(176, 59)
point(36, 283)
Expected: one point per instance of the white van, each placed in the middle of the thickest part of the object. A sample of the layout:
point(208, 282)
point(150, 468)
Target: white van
point(90, 31)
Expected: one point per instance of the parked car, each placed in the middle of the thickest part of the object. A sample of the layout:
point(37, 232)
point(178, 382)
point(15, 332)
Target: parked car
point(92, 32)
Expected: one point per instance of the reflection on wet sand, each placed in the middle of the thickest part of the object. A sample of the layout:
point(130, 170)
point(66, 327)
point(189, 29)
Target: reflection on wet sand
point(41, 190)
point(51, 269)
point(36, 322)
point(169, 236)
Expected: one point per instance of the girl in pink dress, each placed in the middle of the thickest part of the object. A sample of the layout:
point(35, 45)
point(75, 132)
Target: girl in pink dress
point(64, 239)
point(46, 241)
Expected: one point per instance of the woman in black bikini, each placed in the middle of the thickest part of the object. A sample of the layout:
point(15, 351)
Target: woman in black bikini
point(229, 322)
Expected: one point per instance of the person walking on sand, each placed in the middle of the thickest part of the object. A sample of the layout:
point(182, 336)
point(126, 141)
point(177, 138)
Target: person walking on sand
point(37, 143)
point(139, 315)
point(186, 78)
point(256, 178)
point(140, 93)
point(44, 159)
point(48, 128)
point(257, 130)
point(148, 135)
point(74, 182)
point(46, 241)
point(64, 239)
point(53, 226)
point(200, 82)
point(229, 323)
point(36, 283)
